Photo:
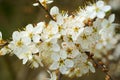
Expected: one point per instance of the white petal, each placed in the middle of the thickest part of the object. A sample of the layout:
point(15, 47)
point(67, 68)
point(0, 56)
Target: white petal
point(93, 15)
point(30, 56)
point(111, 18)
point(24, 33)
point(55, 47)
point(89, 8)
point(54, 27)
point(11, 46)
point(106, 8)
point(29, 28)
point(92, 69)
point(63, 69)
point(49, 1)
point(101, 14)
point(54, 10)
point(33, 48)
point(54, 66)
point(69, 63)
point(35, 4)
point(26, 40)
point(25, 60)
point(56, 36)
point(75, 36)
point(55, 57)
point(35, 64)
point(60, 19)
point(104, 23)
point(63, 54)
point(36, 38)
point(53, 41)
point(88, 30)
point(75, 53)
point(16, 36)
point(39, 27)
point(99, 46)
point(85, 69)
point(100, 4)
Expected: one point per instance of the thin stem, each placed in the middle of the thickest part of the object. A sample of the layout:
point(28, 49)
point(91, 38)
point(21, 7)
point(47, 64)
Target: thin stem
point(59, 76)
point(46, 10)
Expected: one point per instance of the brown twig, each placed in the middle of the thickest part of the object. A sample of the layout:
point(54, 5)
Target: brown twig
point(46, 10)
point(100, 65)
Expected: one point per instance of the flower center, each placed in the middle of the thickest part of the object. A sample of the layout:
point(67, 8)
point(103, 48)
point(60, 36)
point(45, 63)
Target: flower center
point(76, 29)
point(19, 43)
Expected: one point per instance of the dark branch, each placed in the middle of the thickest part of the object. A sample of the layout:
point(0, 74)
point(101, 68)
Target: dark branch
point(100, 65)
point(46, 10)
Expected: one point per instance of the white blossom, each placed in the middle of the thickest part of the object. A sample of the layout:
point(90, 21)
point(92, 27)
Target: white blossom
point(98, 10)
point(85, 39)
point(61, 62)
point(33, 32)
point(108, 26)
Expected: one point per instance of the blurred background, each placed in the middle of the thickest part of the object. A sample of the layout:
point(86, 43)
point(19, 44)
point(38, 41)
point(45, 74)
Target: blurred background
point(16, 14)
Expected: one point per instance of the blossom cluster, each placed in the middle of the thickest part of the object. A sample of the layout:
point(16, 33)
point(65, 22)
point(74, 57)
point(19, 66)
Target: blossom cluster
point(62, 44)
